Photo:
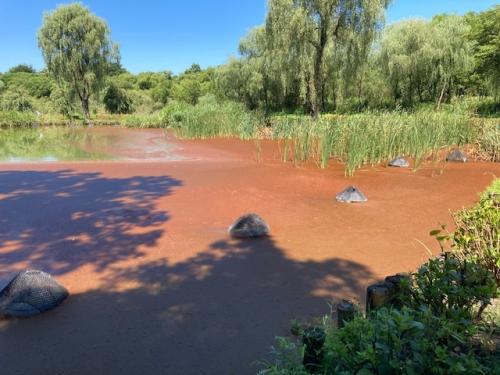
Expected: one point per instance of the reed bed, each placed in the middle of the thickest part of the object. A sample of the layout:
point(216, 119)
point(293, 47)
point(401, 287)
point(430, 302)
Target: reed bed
point(371, 138)
point(210, 118)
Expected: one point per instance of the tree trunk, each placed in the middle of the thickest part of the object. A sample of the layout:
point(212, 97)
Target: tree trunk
point(440, 100)
point(86, 110)
point(318, 72)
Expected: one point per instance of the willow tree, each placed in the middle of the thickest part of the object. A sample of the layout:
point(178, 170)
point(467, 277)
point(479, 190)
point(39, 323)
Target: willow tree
point(406, 58)
point(485, 33)
point(454, 58)
point(77, 50)
point(300, 31)
point(425, 59)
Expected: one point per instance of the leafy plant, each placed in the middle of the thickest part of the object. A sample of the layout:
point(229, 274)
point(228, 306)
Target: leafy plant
point(16, 99)
point(116, 100)
point(402, 341)
point(477, 235)
point(452, 288)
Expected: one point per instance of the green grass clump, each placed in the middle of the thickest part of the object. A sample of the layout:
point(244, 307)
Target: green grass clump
point(142, 121)
point(211, 118)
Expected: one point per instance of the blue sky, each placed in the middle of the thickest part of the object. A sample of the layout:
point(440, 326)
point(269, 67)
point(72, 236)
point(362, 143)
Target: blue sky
point(157, 35)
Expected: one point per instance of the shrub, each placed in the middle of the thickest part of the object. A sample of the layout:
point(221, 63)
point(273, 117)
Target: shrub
point(452, 288)
point(25, 68)
point(161, 92)
point(402, 341)
point(116, 100)
point(63, 101)
point(38, 85)
point(187, 90)
point(16, 99)
point(476, 237)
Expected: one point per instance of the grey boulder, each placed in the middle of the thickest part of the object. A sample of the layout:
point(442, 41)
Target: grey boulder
point(351, 195)
point(248, 226)
point(399, 162)
point(457, 156)
point(31, 293)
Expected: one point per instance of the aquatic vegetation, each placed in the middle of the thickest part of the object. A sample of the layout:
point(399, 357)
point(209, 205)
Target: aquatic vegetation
point(211, 118)
point(371, 138)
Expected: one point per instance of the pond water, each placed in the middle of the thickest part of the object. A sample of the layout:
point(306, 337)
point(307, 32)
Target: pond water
point(50, 144)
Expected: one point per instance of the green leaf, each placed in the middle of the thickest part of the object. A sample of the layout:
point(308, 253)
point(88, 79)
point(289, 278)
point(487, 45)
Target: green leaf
point(364, 371)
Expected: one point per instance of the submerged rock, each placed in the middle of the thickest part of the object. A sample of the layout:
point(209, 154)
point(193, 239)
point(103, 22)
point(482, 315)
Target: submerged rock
point(31, 293)
point(457, 156)
point(351, 195)
point(399, 162)
point(249, 225)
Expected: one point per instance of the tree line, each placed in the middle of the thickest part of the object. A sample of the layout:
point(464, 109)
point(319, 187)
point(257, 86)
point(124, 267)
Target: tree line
point(310, 56)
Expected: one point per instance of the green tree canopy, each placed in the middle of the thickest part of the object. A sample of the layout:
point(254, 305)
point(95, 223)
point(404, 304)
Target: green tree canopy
point(77, 49)
point(422, 60)
point(300, 31)
point(485, 33)
point(24, 68)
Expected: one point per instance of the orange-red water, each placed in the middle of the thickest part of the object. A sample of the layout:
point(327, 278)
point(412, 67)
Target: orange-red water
point(157, 286)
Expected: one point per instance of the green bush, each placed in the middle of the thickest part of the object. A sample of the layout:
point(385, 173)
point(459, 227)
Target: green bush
point(452, 288)
point(37, 85)
point(161, 92)
point(116, 100)
point(16, 99)
point(476, 237)
point(63, 102)
point(403, 341)
point(22, 68)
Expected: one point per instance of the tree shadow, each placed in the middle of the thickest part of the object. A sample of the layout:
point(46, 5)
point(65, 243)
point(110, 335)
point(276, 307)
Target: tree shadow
point(215, 313)
point(61, 220)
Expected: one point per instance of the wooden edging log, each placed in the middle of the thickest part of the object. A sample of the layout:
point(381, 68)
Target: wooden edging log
point(400, 290)
point(313, 339)
point(346, 310)
point(378, 295)
point(390, 292)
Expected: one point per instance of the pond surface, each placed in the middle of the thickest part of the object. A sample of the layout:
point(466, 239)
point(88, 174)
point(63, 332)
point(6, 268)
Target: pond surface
point(50, 144)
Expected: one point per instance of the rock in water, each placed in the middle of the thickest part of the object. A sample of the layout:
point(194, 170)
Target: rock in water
point(31, 293)
point(350, 195)
point(247, 226)
point(457, 155)
point(399, 162)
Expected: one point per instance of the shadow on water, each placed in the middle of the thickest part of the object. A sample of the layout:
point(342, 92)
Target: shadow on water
point(214, 313)
point(59, 221)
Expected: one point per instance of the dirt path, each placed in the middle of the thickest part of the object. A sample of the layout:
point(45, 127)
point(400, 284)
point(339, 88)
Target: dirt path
point(158, 287)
